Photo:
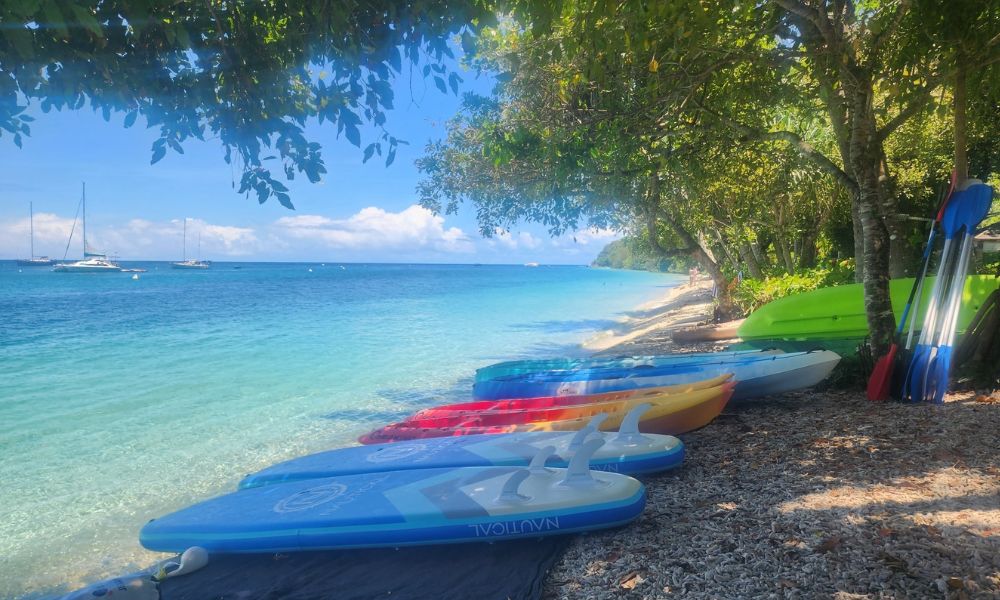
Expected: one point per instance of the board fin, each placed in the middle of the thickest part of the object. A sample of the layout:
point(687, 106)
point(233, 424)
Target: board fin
point(628, 433)
point(581, 435)
point(538, 461)
point(509, 491)
point(578, 472)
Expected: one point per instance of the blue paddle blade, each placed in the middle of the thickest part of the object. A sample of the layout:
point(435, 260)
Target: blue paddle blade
point(937, 383)
point(913, 388)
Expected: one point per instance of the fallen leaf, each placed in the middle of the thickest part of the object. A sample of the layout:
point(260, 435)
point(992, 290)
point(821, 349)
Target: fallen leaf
point(612, 556)
point(787, 583)
point(955, 583)
point(829, 544)
point(894, 562)
point(631, 580)
point(885, 532)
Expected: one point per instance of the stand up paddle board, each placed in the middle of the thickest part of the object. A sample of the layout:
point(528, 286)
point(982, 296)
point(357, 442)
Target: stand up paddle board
point(398, 508)
point(626, 451)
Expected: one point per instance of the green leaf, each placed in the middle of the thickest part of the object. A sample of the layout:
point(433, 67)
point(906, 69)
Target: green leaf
point(453, 81)
point(391, 156)
point(440, 84)
point(54, 19)
point(87, 19)
point(369, 151)
point(130, 118)
point(468, 43)
point(158, 153)
point(17, 140)
point(353, 134)
point(284, 200)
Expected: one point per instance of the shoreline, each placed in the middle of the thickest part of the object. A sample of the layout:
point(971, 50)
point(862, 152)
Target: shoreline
point(648, 327)
point(807, 494)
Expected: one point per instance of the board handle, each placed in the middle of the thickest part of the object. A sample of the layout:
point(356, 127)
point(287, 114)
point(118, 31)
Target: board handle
point(628, 433)
point(578, 473)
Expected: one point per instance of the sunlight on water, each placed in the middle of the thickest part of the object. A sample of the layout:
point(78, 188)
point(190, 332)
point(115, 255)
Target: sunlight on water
point(121, 400)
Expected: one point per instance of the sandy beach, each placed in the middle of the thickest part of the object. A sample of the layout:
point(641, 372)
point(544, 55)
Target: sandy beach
point(805, 495)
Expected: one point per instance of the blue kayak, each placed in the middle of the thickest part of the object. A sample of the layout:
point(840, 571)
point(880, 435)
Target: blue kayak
point(626, 452)
point(526, 367)
point(755, 376)
point(398, 508)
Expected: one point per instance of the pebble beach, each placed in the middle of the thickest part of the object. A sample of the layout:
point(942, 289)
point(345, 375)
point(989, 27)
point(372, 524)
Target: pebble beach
point(818, 494)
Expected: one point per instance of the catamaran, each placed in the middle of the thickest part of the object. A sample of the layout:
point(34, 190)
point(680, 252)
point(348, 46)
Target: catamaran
point(192, 263)
point(93, 262)
point(34, 261)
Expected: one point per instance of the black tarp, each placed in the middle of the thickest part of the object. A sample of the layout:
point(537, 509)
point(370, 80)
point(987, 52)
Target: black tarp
point(514, 569)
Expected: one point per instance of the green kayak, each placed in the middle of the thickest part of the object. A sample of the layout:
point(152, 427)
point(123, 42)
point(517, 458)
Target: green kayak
point(839, 312)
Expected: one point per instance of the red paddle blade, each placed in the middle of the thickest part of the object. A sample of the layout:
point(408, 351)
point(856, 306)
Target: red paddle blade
point(881, 379)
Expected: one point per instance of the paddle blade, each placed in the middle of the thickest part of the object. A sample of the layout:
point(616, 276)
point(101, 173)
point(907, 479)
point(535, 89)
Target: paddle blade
point(916, 375)
point(937, 382)
point(879, 382)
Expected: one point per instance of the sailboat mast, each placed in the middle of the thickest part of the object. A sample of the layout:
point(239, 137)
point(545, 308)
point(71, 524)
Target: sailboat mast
point(31, 222)
point(184, 253)
point(84, 220)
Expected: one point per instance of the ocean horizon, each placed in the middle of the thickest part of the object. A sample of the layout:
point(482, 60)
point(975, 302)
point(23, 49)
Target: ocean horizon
point(122, 399)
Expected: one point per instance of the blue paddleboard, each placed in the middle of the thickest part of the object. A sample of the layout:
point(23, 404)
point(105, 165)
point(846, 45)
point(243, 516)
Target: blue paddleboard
point(628, 453)
point(397, 508)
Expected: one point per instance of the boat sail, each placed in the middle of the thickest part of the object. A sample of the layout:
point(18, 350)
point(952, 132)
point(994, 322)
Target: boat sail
point(34, 261)
point(193, 263)
point(93, 262)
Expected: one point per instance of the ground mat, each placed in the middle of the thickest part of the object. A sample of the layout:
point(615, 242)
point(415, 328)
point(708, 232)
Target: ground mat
point(512, 569)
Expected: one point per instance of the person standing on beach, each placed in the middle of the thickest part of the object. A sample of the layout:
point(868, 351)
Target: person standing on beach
point(693, 274)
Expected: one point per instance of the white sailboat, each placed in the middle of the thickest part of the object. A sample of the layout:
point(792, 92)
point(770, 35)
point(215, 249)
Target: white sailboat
point(92, 262)
point(190, 263)
point(34, 261)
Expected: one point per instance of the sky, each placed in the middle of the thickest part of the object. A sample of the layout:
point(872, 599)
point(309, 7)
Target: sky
point(358, 213)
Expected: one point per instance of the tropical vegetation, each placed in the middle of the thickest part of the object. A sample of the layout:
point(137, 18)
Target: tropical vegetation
point(781, 136)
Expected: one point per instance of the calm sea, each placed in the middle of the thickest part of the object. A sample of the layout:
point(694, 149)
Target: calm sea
point(122, 399)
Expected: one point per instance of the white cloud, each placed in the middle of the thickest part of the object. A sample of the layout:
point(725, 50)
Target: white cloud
point(373, 228)
point(522, 240)
point(585, 237)
point(51, 232)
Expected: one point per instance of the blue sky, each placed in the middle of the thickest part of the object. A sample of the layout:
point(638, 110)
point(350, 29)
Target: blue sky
point(359, 212)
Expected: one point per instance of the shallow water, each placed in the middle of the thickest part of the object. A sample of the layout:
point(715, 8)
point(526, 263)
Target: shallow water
point(121, 400)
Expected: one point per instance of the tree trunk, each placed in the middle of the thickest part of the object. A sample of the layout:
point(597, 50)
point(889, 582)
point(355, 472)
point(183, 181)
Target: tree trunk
point(961, 137)
point(749, 257)
point(859, 241)
point(725, 250)
point(691, 245)
point(866, 164)
point(807, 256)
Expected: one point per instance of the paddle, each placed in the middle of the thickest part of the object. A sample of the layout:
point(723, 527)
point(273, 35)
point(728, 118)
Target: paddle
point(881, 378)
point(940, 369)
point(966, 209)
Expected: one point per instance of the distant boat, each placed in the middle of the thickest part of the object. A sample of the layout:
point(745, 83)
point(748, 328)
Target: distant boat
point(192, 263)
point(34, 261)
point(531, 264)
point(92, 262)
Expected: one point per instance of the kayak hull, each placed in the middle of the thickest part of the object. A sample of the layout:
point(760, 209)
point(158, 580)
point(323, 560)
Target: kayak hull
point(761, 376)
point(839, 312)
point(692, 411)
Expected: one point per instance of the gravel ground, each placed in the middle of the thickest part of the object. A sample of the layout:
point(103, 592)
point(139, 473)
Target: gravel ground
point(810, 495)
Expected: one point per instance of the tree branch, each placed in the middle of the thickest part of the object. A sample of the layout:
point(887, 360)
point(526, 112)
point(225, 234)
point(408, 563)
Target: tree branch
point(804, 148)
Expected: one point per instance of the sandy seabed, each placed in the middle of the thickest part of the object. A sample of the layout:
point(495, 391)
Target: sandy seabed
point(804, 495)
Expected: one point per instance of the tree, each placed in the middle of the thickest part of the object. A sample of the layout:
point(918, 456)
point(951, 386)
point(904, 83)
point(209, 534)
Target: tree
point(248, 73)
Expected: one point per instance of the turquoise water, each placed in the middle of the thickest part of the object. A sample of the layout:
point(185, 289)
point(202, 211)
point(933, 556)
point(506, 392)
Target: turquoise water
point(122, 399)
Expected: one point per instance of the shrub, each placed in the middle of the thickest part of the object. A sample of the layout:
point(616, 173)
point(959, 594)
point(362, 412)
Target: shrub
point(750, 294)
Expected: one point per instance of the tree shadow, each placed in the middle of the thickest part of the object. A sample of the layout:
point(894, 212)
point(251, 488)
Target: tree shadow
point(814, 495)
